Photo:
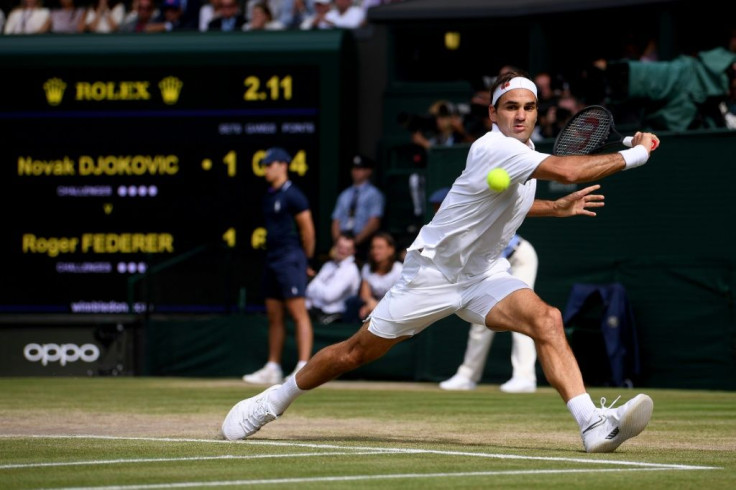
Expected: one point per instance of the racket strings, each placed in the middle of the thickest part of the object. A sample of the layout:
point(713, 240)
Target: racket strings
point(587, 131)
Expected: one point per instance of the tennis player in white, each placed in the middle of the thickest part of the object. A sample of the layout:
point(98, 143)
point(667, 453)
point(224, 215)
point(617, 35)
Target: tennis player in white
point(455, 266)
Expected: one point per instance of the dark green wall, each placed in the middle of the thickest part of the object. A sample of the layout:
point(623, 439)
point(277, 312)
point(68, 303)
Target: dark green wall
point(238, 344)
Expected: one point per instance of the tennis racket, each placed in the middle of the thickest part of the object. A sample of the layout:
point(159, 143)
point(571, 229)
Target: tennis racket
point(589, 131)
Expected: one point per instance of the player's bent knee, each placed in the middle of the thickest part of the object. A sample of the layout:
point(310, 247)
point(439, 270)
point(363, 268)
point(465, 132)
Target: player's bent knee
point(353, 359)
point(347, 356)
point(548, 325)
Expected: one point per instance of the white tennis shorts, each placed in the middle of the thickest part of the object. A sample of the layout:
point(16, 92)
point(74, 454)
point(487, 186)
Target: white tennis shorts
point(423, 295)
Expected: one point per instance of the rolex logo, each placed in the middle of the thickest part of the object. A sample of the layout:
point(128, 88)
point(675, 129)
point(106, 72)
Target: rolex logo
point(54, 88)
point(170, 89)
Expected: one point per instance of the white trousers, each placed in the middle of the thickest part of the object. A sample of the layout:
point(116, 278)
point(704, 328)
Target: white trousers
point(524, 263)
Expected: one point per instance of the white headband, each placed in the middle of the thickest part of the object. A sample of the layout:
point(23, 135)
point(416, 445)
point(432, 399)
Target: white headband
point(514, 83)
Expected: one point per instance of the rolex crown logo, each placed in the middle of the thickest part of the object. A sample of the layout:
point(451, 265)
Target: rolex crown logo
point(170, 89)
point(54, 88)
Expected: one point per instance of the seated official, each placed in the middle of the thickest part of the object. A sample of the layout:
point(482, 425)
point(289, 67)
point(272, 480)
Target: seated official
point(336, 281)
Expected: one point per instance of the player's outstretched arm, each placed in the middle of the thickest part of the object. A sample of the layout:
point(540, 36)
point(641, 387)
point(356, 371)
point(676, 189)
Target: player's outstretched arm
point(575, 169)
point(578, 203)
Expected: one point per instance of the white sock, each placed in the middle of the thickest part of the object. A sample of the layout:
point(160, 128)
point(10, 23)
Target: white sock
point(281, 398)
point(581, 407)
point(273, 365)
point(300, 365)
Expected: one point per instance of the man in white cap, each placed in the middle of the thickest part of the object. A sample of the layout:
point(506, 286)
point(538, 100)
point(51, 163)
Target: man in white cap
point(455, 265)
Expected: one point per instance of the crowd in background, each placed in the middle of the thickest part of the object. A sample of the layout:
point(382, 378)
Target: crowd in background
point(105, 16)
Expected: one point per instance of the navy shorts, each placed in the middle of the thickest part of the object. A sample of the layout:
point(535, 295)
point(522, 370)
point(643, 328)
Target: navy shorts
point(285, 278)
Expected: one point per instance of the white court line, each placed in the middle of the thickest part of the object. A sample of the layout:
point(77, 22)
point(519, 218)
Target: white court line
point(184, 458)
point(400, 476)
point(378, 450)
point(345, 450)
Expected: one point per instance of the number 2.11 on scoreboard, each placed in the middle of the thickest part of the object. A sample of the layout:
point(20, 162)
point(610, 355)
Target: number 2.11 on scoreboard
point(276, 88)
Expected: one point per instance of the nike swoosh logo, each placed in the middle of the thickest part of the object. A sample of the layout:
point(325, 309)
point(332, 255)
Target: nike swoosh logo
point(601, 421)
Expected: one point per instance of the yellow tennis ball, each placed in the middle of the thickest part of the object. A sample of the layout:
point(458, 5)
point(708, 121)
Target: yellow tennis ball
point(498, 179)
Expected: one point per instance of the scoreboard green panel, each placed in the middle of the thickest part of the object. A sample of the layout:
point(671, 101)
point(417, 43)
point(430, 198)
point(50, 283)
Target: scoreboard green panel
point(130, 166)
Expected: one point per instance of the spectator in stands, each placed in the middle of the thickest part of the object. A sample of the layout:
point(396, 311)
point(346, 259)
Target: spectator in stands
point(446, 129)
point(359, 208)
point(142, 20)
point(567, 106)
point(345, 15)
point(229, 19)
point(261, 19)
point(170, 19)
point(274, 6)
point(377, 276)
point(317, 20)
point(131, 12)
point(290, 243)
point(28, 18)
point(557, 116)
point(547, 107)
point(207, 12)
point(295, 12)
point(67, 18)
point(2, 20)
point(337, 280)
point(105, 16)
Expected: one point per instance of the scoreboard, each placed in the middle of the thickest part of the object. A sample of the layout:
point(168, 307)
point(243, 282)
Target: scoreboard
point(130, 170)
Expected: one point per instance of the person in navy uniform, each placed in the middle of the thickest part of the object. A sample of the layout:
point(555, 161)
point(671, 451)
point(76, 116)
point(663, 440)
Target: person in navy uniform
point(290, 243)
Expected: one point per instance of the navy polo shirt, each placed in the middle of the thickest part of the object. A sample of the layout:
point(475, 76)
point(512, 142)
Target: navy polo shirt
point(279, 208)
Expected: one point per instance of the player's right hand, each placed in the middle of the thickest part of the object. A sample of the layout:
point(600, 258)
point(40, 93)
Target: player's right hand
point(648, 140)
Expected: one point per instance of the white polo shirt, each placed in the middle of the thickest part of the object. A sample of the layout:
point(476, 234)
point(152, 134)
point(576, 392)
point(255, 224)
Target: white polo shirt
point(474, 224)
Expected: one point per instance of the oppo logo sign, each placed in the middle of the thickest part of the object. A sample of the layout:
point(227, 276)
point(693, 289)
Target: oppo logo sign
point(61, 353)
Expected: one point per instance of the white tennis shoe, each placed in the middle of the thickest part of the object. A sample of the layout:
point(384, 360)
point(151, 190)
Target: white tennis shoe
point(248, 416)
point(608, 428)
point(458, 383)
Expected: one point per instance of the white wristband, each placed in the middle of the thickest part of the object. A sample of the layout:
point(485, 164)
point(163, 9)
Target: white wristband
point(635, 157)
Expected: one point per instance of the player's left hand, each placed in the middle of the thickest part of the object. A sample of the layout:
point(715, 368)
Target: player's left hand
point(579, 202)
